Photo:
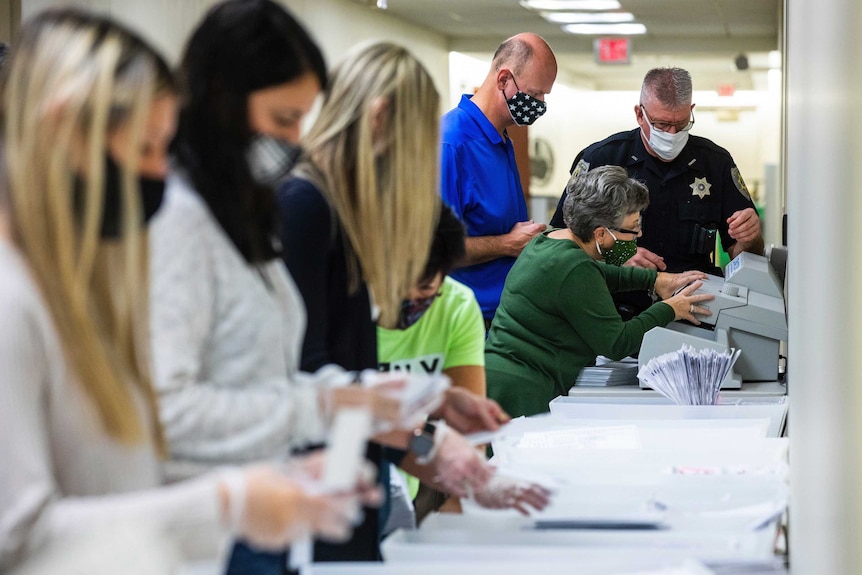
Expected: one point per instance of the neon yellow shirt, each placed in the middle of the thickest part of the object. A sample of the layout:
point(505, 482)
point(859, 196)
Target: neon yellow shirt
point(450, 334)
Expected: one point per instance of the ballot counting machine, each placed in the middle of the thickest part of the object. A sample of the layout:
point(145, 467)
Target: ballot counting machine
point(748, 313)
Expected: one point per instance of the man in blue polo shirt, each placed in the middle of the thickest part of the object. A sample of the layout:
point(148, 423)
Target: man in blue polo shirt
point(479, 178)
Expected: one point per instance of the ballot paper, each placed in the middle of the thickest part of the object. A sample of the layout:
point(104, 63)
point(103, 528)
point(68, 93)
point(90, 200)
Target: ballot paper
point(611, 373)
point(344, 459)
point(608, 372)
point(689, 376)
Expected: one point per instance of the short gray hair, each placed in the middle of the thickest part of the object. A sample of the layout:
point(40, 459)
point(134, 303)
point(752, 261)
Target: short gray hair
point(670, 86)
point(601, 197)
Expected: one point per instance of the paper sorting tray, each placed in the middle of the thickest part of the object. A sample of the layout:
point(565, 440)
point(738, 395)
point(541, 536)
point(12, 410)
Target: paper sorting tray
point(471, 538)
point(635, 408)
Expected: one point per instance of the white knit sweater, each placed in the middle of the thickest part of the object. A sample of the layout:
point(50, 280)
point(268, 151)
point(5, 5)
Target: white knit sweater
point(227, 338)
point(60, 474)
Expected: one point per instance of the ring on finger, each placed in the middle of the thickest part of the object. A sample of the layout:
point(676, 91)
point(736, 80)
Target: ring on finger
point(691, 309)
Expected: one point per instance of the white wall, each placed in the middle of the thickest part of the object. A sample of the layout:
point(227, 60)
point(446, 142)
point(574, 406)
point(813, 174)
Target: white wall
point(335, 24)
point(577, 118)
point(824, 206)
point(339, 24)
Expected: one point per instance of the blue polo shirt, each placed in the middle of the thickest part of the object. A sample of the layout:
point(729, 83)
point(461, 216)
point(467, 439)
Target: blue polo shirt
point(480, 182)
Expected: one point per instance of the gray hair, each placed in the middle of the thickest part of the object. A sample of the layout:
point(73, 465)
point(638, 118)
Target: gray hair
point(601, 198)
point(670, 86)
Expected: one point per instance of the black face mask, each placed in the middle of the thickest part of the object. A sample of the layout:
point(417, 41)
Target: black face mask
point(152, 194)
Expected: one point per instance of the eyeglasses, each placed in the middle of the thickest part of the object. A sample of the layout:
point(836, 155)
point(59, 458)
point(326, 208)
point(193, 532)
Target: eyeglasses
point(666, 126)
point(634, 232)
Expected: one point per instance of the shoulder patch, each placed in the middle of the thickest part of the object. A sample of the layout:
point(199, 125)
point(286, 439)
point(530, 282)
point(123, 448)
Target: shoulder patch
point(583, 166)
point(740, 183)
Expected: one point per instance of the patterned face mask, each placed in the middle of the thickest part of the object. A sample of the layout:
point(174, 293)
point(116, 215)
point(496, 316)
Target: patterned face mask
point(621, 252)
point(270, 159)
point(412, 310)
point(524, 108)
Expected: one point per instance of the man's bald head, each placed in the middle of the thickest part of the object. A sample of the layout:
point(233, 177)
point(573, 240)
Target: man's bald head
point(524, 49)
point(523, 63)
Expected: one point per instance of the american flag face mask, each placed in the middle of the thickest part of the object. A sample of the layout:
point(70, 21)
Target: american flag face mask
point(524, 108)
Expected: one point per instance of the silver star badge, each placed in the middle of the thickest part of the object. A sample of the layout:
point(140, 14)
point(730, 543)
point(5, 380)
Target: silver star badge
point(700, 187)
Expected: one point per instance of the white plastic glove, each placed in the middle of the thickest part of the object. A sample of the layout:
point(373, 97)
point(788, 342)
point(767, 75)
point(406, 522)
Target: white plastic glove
point(272, 508)
point(397, 400)
point(459, 468)
point(503, 492)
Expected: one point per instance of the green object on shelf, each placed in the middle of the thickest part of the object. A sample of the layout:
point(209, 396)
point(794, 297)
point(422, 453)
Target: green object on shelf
point(722, 257)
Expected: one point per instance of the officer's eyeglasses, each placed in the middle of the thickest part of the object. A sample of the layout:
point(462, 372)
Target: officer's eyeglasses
point(667, 126)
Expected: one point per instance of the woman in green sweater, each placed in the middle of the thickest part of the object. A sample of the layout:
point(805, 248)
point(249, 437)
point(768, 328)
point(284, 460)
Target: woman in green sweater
point(556, 313)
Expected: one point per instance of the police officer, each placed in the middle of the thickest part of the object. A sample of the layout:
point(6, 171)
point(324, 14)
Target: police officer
point(696, 190)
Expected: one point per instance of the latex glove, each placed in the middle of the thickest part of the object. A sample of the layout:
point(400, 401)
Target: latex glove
point(397, 400)
point(383, 401)
point(271, 508)
point(458, 467)
point(468, 412)
point(503, 492)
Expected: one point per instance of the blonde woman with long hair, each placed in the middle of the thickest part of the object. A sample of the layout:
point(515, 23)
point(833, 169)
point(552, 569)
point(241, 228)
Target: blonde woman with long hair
point(358, 218)
point(372, 155)
point(87, 114)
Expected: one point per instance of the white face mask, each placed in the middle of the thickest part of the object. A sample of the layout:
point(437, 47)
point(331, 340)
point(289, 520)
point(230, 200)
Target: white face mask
point(666, 145)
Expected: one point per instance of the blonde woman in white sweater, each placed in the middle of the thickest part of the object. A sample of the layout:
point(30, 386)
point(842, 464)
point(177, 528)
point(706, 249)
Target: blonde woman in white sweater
point(88, 112)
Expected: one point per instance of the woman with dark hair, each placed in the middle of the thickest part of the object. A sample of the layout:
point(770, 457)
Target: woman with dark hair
point(556, 313)
point(252, 73)
point(227, 320)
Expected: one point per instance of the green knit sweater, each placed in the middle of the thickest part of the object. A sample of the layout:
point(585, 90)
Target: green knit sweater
point(556, 315)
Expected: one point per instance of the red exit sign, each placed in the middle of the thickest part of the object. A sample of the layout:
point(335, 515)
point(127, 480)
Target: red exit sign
point(612, 50)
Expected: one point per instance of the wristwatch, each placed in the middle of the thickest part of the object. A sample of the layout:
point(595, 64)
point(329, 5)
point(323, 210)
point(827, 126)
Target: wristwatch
point(422, 442)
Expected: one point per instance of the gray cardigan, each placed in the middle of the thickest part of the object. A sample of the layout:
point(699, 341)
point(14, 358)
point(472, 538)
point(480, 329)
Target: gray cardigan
point(227, 337)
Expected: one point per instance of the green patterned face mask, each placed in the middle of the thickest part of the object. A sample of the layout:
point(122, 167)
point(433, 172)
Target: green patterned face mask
point(621, 252)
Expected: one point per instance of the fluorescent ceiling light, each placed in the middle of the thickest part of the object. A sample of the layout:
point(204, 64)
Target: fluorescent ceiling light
point(606, 29)
point(571, 4)
point(587, 17)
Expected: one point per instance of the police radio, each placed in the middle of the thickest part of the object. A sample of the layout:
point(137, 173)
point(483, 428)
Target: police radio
point(703, 239)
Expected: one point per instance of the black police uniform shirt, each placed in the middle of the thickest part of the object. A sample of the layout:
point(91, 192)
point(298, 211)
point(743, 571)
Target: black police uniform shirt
point(697, 191)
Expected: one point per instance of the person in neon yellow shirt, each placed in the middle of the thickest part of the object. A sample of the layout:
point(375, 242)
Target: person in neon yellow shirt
point(440, 329)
